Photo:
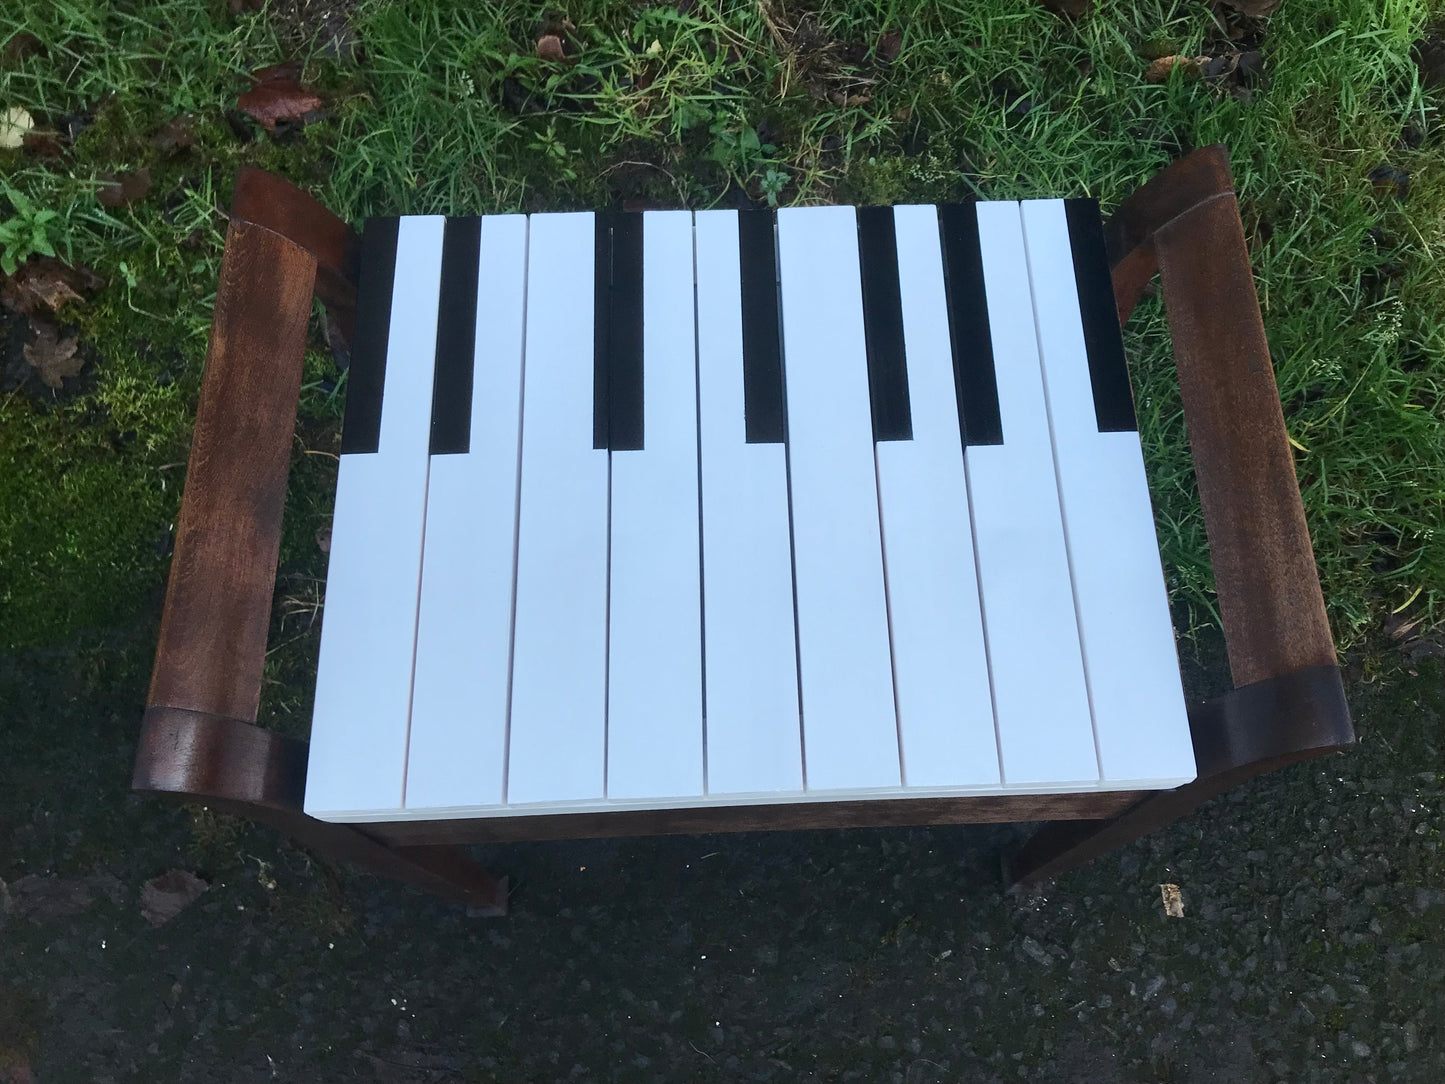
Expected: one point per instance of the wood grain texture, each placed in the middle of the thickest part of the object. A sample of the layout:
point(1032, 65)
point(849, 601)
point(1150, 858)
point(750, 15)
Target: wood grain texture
point(218, 599)
point(1270, 601)
point(265, 199)
point(879, 813)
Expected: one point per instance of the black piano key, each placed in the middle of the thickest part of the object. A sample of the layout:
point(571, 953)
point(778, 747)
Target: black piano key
point(973, 366)
point(624, 365)
point(764, 413)
point(451, 407)
point(601, 324)
point(1108, 371)
point(366, 377)
point(883, 325)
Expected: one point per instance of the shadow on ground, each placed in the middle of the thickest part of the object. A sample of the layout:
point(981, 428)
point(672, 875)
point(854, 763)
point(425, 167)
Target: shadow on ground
point(1310, 948)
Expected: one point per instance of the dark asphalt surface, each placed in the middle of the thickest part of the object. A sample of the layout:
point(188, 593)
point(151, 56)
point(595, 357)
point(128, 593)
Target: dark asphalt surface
point(1311, 948)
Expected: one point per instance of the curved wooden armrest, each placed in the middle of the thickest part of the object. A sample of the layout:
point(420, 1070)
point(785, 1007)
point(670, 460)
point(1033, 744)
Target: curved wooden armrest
point(1288, 702)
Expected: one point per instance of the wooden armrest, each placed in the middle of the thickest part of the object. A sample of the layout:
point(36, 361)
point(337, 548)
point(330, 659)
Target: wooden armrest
point(1288, 702)
point(218, 599)
point(1186, 222)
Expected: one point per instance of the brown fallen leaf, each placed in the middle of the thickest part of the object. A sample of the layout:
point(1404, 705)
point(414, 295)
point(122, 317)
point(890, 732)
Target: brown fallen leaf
point(121, 189)
point(1173, 901)
point(18, 48)
point(163, 898)
point(549, 47)
point(889, 46)
point(277, 95)
point(46, 283)
point(1158, 70)
point(53, 354)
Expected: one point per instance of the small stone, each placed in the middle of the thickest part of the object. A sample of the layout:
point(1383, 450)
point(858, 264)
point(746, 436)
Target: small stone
point(1360, 1049)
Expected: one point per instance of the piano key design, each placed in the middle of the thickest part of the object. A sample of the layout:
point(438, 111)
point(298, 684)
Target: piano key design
point(673, 509)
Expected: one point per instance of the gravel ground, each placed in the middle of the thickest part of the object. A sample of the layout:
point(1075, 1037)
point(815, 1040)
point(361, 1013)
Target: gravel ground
point(1310, 948)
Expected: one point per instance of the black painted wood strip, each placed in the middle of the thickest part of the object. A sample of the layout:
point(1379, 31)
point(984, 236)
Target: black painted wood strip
point(973, 363)
point(883, 325)
point(361, 426)
point(601, 324)
point(1108, 369)
point(451, 407)
point(624, 365)
point(764, 409)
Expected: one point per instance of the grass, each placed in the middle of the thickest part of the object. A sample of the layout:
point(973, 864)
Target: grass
point(444, 106)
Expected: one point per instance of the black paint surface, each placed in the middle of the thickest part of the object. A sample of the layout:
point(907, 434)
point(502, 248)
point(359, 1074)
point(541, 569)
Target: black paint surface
point(451, 407)
point(361, 428)
point(764, 411)
point(973, 366)
point(883, 325)
point(1108, 371)
point(624, 364)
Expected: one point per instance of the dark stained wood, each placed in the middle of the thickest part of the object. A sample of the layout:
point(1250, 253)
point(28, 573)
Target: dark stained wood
point(1270, 601)
point(218, 599)
point(1288, 704)
point(265, 199)
point(887, 812)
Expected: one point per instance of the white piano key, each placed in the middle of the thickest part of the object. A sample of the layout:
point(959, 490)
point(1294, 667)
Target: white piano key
point(363, 682)
point(945, 710)
point(1123, 608)
point(850, 728)
point(559, 653)
point(457, 750)
point(654, 645)
point(1041, 702)
point(754, 740)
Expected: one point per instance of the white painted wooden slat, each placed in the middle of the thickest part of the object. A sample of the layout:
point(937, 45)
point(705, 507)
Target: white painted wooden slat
point(457, 750)
point(654, 646)
point(754, 740)
point(945, 708)
point(1123, 608)
point(559, 659)
point(1041, 703)
point(850, 728)
point(363, 682)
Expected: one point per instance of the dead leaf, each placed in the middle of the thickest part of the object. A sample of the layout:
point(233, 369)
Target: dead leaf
point(53, 354)
point(1158, 70)
point(889, 46)
point(46, 283)
point(14, 123)
point(163, 898)
point(549, 47)
point(278, 96)
point(1429, 56)
point(1390, 181)
point(122, 189)
point(177, 134)
point(1173, 901)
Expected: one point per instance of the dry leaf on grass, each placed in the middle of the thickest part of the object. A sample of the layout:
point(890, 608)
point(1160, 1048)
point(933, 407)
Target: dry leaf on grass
point(549, 47)
point(889, 46)
point(1158, 70)
point(53, 354)
point(122, 189)
point(46, 283)
point(277, 95)
point(163, 898)
point(1173, 901)
point(177, 134)
point(14, 123)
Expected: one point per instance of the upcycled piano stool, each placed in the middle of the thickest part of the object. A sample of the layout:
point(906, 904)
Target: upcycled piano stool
point(890, 559)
